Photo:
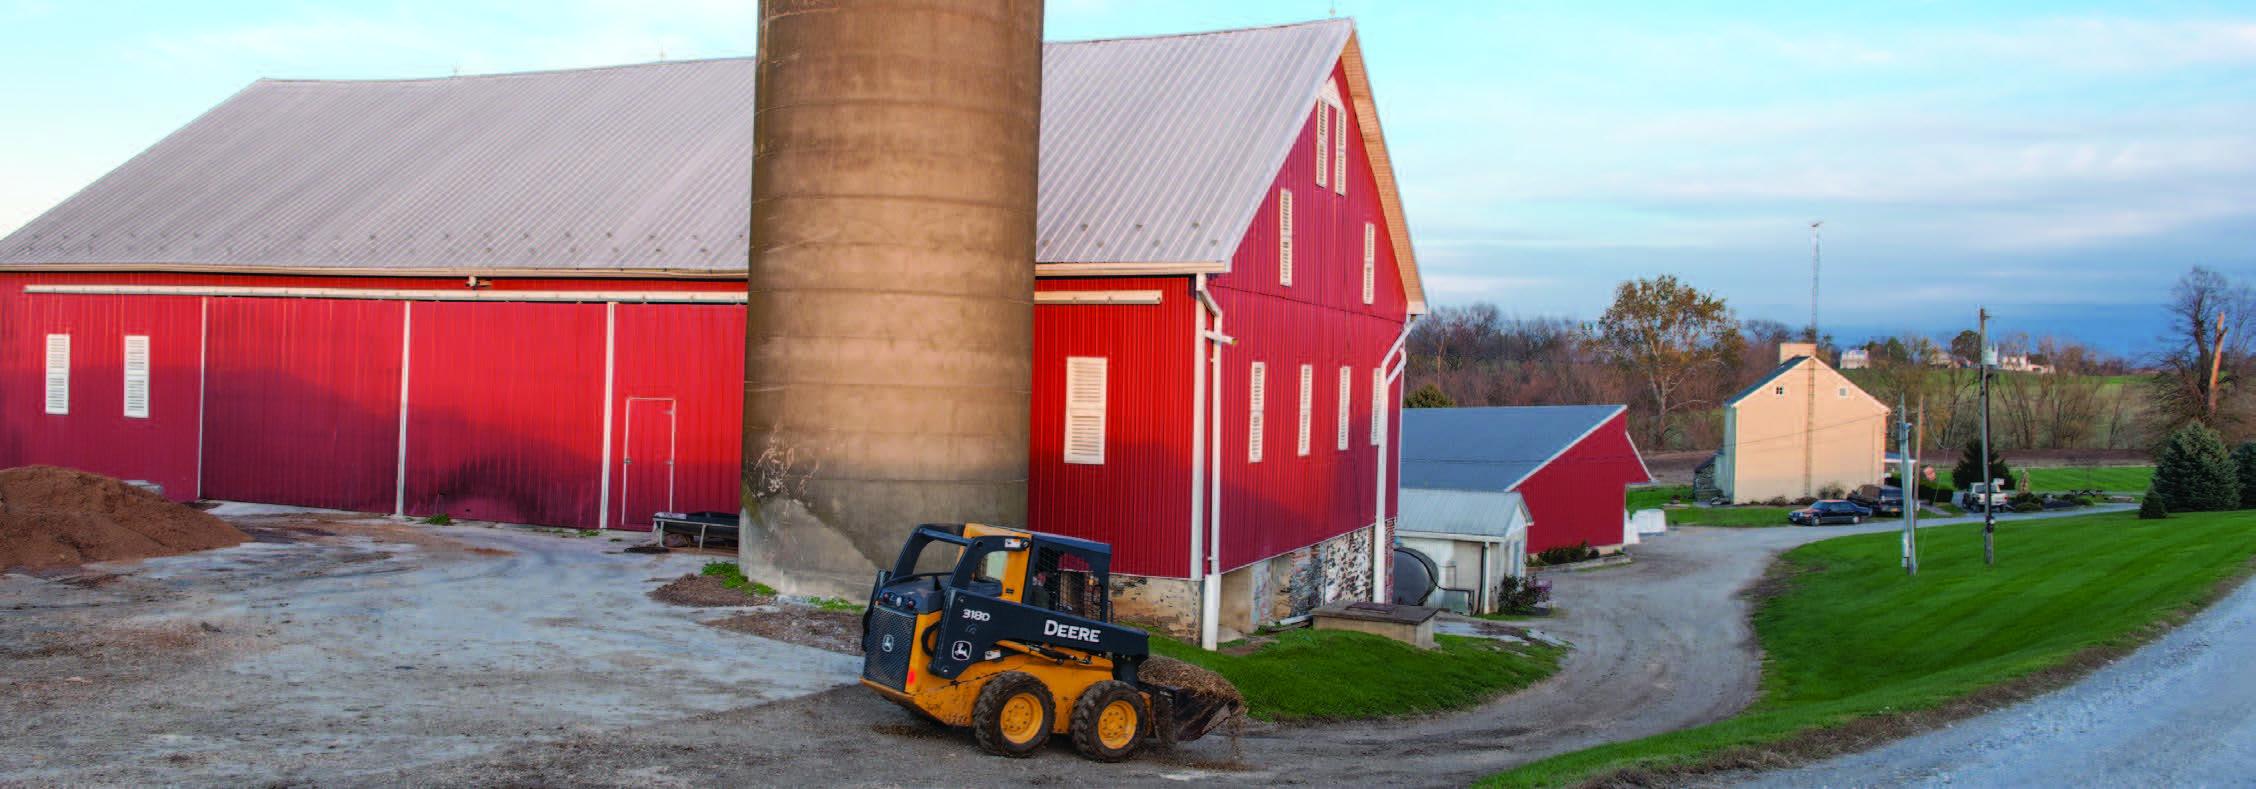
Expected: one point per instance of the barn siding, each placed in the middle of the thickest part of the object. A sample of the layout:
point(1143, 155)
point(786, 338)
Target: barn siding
point(1139, 498)
point(505, 411)
point(96, 435)
point(694, 355)
point(1580, 496)
point(1287, 501)
point(304, 402)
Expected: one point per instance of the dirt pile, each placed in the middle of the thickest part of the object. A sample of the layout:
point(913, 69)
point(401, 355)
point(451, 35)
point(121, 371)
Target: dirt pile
point(836, 631)
point(706, 591)
point(56, 517)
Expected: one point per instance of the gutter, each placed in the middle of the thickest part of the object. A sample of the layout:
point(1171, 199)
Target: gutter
point(1210, 342)
point(1381, 581)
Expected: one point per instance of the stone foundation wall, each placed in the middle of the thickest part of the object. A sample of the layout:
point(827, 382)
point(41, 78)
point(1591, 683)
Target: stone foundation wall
point(1295, 583)
point(1166, 605)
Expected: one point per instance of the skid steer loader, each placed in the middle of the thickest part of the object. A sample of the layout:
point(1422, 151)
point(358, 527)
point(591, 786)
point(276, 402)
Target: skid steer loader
point(1013, 637)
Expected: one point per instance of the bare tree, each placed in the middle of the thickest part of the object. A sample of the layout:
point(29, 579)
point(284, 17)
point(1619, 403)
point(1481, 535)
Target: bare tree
point(1668, 335)
point(2207, 346)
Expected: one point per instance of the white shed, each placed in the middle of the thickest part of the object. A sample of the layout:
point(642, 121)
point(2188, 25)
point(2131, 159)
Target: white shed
point(1473, 538)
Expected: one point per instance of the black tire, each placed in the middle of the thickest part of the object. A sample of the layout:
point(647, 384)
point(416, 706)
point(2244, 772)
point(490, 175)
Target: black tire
point(987, 714)
point(1089, 737)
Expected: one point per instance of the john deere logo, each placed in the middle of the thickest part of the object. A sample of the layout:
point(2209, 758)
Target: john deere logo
point(961, 651)
point(886, 644)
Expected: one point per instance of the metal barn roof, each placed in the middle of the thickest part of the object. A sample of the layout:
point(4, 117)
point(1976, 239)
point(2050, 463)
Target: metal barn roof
point(1472, 513)
point(1492, 449)
point(1154, 150)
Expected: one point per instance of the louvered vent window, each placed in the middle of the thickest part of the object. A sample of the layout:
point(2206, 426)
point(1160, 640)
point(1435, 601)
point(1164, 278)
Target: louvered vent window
point(1346, 396)
point(1307, 402)
point(1284, 237)
point(1339, 153)
point(1378, 405)
point(1085, 410)
point(137, 376)
point(58, 373)
point(1323, 143)
point(1370, 262)
point(1256, 401)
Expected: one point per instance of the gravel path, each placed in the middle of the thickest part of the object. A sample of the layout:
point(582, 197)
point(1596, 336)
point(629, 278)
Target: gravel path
point(2179, 712)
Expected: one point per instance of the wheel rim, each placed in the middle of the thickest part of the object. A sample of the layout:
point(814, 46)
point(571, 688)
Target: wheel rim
point(1021, 720)
point(1116, 725)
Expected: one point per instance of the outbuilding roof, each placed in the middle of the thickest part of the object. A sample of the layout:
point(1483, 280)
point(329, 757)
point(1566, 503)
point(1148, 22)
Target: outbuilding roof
point(1154, 151)
point(1471, 513)
point(1494, 448)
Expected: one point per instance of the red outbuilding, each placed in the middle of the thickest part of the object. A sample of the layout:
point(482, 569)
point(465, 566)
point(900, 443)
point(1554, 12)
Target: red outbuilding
point(1571, 464)
point(520, 298)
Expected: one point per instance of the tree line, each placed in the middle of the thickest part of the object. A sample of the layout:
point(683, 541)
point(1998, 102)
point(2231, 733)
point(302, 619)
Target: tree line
point(1675, 354)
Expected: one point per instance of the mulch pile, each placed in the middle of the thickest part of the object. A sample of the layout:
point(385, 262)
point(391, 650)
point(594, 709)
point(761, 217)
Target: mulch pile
point(705, 591)
point(56, 517)
point(836, 631)
point(1165, 670)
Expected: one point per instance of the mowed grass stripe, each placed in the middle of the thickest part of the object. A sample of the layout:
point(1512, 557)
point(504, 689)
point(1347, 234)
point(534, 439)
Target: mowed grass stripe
point(1849, 637)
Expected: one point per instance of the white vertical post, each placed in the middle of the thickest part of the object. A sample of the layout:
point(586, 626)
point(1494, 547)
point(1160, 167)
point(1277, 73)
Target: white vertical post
point(610, 380)
point(1198, 433)
point(407, 333)
point(203, 358)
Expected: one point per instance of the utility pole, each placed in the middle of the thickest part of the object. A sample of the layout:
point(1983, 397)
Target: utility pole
point(1908, 484)
point(1809, 387)
point(1989, 486)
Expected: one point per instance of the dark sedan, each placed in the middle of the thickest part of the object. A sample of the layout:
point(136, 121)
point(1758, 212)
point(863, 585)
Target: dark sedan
point(1829, 511)
point(1880, 499)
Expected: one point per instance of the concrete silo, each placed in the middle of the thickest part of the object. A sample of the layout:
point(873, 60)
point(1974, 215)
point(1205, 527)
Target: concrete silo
point(889, 341)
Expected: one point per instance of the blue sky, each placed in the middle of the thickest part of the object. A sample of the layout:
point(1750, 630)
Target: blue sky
point(2061, 162)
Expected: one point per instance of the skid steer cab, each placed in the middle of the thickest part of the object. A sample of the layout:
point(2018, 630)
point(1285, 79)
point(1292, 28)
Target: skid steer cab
point(1012, 636)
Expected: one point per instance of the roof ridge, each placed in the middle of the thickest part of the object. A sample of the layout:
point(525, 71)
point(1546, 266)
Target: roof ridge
point(1347, 20)
point(498, 75)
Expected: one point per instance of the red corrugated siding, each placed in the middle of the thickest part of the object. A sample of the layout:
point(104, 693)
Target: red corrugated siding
point(1139, 499)
point(693, 355)
point(1287, 501)
point(505, 416)
point(96, 435)
point(1580, 496)
point(304, 402)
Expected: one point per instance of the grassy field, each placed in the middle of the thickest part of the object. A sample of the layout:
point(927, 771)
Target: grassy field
point(1655, 496)
point(1338, 675)
point(2130, 479)
point(1849, 641)
point(1730, 516)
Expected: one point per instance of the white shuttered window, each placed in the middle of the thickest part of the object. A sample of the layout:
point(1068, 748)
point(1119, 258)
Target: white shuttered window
point(1085, 409)
point(137, 376)
point(1370, 262)
point(1307, 402)
point(1256, 381)
point(58, 373)
point(1323, 143)
point(1284, 237)
point(1378, 404)
point(1339, 153)
point(1346, 396)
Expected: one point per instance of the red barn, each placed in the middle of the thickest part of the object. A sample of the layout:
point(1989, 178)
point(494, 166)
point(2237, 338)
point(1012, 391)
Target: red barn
point(519, 298)
point(1572, 464)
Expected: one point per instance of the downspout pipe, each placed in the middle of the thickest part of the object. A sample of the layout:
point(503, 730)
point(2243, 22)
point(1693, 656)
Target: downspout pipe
point(1393, 362)
point(1210, 578)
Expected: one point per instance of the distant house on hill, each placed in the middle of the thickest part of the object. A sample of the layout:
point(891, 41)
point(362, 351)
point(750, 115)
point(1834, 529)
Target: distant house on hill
point(1570, 464)
point(1799, 431)
point(1856, 359)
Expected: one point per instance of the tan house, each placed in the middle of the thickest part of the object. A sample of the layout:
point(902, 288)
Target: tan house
point(1803, 429)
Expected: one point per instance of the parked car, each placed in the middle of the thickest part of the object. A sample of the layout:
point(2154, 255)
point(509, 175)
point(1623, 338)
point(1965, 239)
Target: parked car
point(1828, 511)
point(1974, 497)
point(1880, 499)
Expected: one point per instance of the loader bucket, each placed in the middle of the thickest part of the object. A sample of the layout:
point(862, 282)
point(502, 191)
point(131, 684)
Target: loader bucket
point(1183, 715)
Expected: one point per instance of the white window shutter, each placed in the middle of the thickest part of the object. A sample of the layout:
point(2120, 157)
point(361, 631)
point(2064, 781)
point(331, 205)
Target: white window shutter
point(1378, 404)
point(1323, 143)
point(1307, 402)
point(1284, 237)
point(1370, 262)
point(58, 373)
point(1346, 396)
point(1256, 382)
point(1085, 409)
point(137, 376)
point(1339, 153)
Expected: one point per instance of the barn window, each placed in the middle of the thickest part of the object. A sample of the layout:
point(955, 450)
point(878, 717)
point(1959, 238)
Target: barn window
point(58, 373)
point(137, 376)
point(1323, 143)
point(1346, 396)
point(1257, 381)
point(1844, 393)
point(1778, 390)
point(1370, 261)
point(1378, 405)
point(1085, 409)
point(1307, 403)
point(1284, 237)
point(1339, 153)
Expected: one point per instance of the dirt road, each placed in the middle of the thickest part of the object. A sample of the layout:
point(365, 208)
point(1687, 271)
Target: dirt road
point(2179, 712)
point(389, 654)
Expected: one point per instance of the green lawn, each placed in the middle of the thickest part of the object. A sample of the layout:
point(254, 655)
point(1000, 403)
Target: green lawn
point(1339, 675)
point(1730, 516)
point(2113, 478)
point(1655, 496)
point(1852, 637)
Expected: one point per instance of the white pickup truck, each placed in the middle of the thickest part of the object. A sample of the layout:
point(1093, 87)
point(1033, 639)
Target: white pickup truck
point(1971, 499)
